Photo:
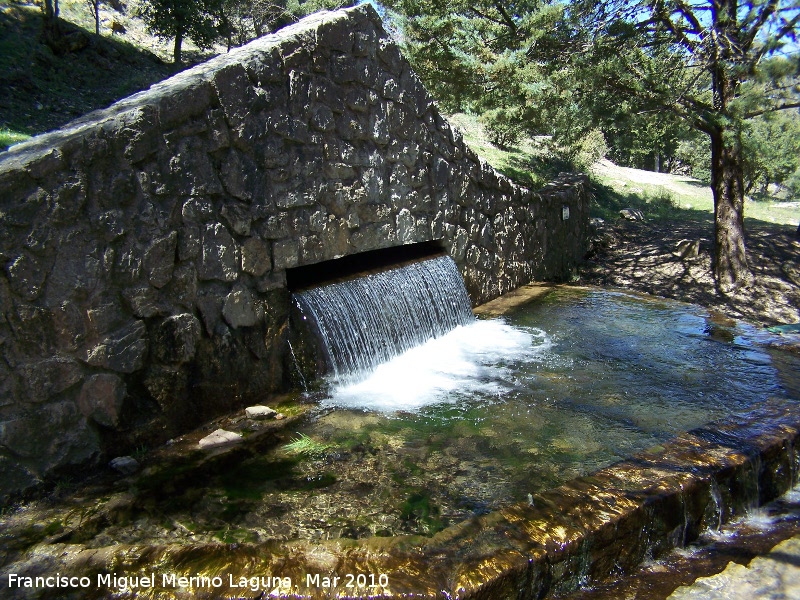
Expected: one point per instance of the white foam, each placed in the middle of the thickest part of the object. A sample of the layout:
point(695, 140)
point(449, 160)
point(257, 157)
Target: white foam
point(469, 359)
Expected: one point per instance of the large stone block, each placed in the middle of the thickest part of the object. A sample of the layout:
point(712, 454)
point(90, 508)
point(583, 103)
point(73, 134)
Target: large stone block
point(235, 93)
point(241, 309)
point(286, 254)
point(256, 259)
point(241, 176)
point(101, 399)
point(322, 119)
point(123, 352)
point(220, 254)
point(143, 301)
point(32, 436)
point(47, 378)
point(27, 275)
point(188, 171)
point(336, 34)
point(175, 339)
point(238, 217)
point(159, 260)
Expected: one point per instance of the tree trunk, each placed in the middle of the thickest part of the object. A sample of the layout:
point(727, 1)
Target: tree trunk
point(730, 258)
point(97, 17)
point(51, 31)
point(176, 52)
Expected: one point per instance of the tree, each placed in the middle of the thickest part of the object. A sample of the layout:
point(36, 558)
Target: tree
point(732, 64)
point(181, 19)
point(712, 65)
point(94, 8)
point(772, 151)
point(51, 30)
point(244, 20)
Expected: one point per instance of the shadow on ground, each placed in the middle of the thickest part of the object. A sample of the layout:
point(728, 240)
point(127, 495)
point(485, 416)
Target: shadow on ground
point(646, 256)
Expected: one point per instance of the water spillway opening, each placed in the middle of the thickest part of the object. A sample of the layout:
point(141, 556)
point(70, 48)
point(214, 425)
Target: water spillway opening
point(365, 321)
point(361, 264)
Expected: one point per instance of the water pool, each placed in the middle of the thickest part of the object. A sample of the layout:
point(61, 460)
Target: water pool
point(484, 417)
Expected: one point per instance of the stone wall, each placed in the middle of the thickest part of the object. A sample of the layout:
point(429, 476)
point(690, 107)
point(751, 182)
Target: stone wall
point(145, 246)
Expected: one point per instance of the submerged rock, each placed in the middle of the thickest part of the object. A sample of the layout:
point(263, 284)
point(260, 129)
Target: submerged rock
point(219, 438)
point(260, 412)
point(127, 465)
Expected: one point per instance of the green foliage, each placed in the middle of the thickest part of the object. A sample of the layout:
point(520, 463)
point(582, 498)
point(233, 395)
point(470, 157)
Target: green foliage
point(504, 126)
point(531, 163)
point(240, 21)
point(482, 56)
point(9, 138)
point(588, 150)
point(694, 153)
point(140, 452)
point(179, 19)
point(656, 203)
point(772, 151)
point(307, 447)
point(53, 528)
point(641, 71)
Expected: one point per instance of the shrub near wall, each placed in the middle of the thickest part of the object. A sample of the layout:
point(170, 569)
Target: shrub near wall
point(145, 246)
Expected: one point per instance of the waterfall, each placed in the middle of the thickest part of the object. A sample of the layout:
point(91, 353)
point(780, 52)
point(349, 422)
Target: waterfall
point(367, 321)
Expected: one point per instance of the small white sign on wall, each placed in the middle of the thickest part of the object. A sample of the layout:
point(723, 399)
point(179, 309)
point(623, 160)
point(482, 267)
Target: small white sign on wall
point(564, 213)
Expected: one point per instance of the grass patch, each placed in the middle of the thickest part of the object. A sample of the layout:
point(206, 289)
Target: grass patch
point(681, 199)
point(9, 138)
point(529, 163)
point(655, 204)
point(307, 447)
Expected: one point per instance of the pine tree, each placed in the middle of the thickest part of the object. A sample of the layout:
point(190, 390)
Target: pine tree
point(640, 70)
point(179, 20)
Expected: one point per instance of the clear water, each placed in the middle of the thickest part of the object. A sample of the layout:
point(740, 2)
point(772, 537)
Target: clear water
point(480, 418)
point(497, 410)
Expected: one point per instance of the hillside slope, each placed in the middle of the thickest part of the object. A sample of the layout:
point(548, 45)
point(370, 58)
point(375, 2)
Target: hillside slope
point(42, 91)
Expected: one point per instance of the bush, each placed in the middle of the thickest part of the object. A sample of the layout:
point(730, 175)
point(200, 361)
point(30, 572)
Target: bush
point(504, 126)
point(588, 150)
point(695, 152)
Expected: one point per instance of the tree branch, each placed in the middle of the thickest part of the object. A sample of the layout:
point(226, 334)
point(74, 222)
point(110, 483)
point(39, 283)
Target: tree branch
point(771, 45)
point(508, 20)
point(766, 13)
point(763, 111)
point(483, 15)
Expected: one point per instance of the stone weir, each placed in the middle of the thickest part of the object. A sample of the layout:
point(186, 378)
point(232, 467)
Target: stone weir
point(145, 246)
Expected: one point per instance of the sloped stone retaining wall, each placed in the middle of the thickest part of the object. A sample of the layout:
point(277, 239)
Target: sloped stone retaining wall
point(144, 247)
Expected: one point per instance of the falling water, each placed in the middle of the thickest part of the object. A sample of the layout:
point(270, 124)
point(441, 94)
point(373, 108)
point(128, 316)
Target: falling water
point(719, 504)
point(370, 320)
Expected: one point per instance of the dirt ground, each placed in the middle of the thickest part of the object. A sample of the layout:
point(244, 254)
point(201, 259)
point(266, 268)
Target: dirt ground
point(645, 256)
